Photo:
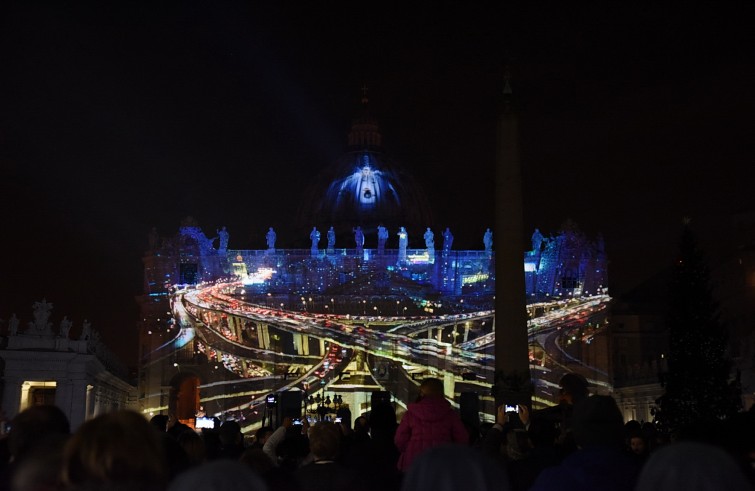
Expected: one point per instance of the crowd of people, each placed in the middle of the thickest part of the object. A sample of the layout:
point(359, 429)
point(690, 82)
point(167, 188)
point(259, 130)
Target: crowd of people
point(580, 444)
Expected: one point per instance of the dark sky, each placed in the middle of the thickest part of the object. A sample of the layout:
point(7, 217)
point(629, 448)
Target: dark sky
point(115, 118)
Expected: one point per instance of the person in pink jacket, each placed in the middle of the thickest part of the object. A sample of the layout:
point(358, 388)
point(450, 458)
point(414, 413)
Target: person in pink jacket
point(427, 423)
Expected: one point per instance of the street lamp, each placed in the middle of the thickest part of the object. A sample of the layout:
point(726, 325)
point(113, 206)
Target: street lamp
point(397, 302)
point(333, 302)
point(364, 307)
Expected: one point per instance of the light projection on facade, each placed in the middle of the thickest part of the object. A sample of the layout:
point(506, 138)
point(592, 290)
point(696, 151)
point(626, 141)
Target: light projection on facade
point(344, 324)
point(332, 325)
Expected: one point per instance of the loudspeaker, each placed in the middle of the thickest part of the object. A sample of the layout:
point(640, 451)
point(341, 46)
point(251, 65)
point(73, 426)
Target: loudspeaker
point(289, 404)
point(380, 397)
point(469, 408)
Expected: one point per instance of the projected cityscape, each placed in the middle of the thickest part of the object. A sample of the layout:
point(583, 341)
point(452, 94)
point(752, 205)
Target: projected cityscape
point(338, 324)
point(330, 327)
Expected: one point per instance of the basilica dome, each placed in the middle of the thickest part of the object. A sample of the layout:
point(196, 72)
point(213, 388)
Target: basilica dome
point(365, 188)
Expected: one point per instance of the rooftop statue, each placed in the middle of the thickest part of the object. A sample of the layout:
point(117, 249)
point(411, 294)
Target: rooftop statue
point(382, 234)
point(41, 317)
point(314, 236)
point(429, 239)
point(65, 327)
point(223, 235)
point(331, 239)
point(403, 242)
point(270, 237)
point(86, 331)
point(359, 239)
point(487, 239)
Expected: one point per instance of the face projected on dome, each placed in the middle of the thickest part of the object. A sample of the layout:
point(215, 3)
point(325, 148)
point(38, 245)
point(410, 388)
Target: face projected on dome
point(368, 186)
point(365, 189)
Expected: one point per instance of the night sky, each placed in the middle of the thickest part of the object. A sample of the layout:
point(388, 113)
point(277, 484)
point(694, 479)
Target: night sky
point(115, 118)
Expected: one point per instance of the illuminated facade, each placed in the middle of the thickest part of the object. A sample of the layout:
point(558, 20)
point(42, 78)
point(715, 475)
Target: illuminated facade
point(221, 329)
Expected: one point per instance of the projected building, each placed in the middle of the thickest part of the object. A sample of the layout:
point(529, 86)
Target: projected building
point(326, 327)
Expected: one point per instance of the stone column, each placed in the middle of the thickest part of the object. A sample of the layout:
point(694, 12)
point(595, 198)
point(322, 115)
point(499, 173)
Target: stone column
point(89, 412)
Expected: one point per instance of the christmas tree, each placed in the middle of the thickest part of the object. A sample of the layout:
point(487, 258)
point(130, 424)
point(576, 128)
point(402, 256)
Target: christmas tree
point(697, 383)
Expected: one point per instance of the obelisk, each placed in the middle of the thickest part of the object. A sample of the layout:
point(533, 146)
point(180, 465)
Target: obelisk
point(511, 345)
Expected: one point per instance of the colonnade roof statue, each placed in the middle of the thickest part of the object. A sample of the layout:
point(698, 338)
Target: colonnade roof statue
point(41, 335)
point(364, 187)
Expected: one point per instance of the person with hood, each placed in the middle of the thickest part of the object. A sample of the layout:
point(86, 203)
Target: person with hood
point(428, 423)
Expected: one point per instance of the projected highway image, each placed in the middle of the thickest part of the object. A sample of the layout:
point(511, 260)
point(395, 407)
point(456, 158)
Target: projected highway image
point(335, 326)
